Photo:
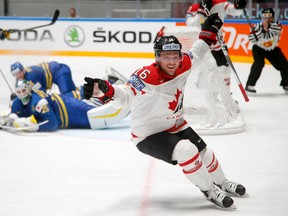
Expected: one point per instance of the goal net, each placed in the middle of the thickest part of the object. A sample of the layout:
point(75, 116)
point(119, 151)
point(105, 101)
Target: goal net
point(208, 105)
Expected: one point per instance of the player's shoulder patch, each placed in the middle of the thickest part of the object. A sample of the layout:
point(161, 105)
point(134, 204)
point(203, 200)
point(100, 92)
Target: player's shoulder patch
point(189, 53)
point(41, 105)
point(136, 82)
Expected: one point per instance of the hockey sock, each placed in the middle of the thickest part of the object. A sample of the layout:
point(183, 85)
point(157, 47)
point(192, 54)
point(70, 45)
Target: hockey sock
point(190, 161)
point(213, 166)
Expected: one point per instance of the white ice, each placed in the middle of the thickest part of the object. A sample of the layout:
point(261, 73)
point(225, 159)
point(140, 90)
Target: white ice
point(101, 173)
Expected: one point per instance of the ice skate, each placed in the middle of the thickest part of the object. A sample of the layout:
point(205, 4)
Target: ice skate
point(114, 77)
point(250, 90)
point(219, 198)
point(233, 188)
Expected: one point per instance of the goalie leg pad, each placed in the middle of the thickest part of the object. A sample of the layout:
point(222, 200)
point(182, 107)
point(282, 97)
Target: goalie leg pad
point(106, 115)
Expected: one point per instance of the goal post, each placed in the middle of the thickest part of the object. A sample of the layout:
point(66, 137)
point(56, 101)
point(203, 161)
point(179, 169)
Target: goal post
point(208, 104)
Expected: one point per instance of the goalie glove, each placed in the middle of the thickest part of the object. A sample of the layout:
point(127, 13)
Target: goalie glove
point(30, 123)
point(210, 29)
point(240, 4)
point(7, 118)
point(104, 86)
point(4, 34)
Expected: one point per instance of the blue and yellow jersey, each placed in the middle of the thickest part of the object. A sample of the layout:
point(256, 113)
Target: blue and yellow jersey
point(60, 111)
point(40, 74)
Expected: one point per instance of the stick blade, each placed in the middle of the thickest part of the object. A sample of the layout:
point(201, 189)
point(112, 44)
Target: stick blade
point(55, 17)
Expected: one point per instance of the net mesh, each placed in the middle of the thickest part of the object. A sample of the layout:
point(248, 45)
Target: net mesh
point(208, 105)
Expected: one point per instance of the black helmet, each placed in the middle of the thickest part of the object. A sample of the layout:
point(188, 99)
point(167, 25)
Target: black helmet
point(167, 43)
point(268, 12)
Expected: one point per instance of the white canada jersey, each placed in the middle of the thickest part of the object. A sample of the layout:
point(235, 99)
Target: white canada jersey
point(222, 7)
point(266, 40)
point(155, 98)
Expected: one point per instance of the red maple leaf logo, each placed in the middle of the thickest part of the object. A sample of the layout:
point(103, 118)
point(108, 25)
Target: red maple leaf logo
point(173, 104)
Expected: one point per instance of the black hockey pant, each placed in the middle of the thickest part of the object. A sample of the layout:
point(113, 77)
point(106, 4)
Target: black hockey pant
point(275, 57)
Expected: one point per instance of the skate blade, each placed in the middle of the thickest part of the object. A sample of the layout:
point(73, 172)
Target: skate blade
point(230, 208)
point(246, 195)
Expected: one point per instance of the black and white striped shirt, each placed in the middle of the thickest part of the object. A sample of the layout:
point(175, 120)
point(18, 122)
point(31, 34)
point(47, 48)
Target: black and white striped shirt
point(267, 40)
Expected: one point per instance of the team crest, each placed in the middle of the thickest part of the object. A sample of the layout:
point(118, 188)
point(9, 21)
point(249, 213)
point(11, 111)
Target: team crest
point(177, 103)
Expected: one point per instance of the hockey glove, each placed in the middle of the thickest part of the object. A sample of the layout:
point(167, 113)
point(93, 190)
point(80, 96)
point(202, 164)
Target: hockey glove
point(106, 88)
point(8, 120)
point(210, 29)
point(4, 34)
point(240, 4)
point(203, 6)
point(30, 123)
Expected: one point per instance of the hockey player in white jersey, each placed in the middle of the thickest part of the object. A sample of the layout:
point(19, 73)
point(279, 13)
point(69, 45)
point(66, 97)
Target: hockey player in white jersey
point(155, 95)
point(223, 8)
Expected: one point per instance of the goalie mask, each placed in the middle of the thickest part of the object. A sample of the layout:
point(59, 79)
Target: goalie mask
point(165, 44)
point(23, 91)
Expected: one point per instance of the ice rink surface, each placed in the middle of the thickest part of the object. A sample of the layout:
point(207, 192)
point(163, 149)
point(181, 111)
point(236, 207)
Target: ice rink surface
point(101, 173)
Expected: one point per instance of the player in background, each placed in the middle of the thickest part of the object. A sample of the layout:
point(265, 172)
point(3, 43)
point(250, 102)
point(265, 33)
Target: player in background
point(196, 15)
point(265, 37)
point(155, 95)
point(4, 34)
point(30, 108)
point(45, 74)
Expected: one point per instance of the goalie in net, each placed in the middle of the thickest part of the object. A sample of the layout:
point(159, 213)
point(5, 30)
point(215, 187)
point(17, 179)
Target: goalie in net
point(208, 104)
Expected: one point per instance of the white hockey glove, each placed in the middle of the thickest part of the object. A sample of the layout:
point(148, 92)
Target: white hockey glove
point(7, 118)
point(30, 123)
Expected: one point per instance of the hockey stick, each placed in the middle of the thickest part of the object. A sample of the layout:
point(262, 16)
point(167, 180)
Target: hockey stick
point(54, 19)
point(227, 57)
point(6, 80)
point(23, 128)
point(249, 22)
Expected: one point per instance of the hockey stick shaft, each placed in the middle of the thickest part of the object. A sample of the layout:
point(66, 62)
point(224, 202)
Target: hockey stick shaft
point(234, 72)
point(54, 19)
point(249, 22)
point(6, 81)
point(227, 57)
point(23, 128)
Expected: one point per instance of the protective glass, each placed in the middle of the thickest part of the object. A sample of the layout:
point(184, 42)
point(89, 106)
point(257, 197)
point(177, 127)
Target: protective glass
point(169, 58)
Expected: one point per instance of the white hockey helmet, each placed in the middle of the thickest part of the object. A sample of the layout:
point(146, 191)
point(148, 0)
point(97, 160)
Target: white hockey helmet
point(23, 91)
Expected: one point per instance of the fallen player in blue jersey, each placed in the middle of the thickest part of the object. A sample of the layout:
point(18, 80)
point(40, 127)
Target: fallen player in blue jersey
point(30, 109)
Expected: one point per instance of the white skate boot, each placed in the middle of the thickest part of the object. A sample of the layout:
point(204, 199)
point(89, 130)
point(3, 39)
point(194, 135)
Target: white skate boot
point(233, 188)
point(218, 197)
